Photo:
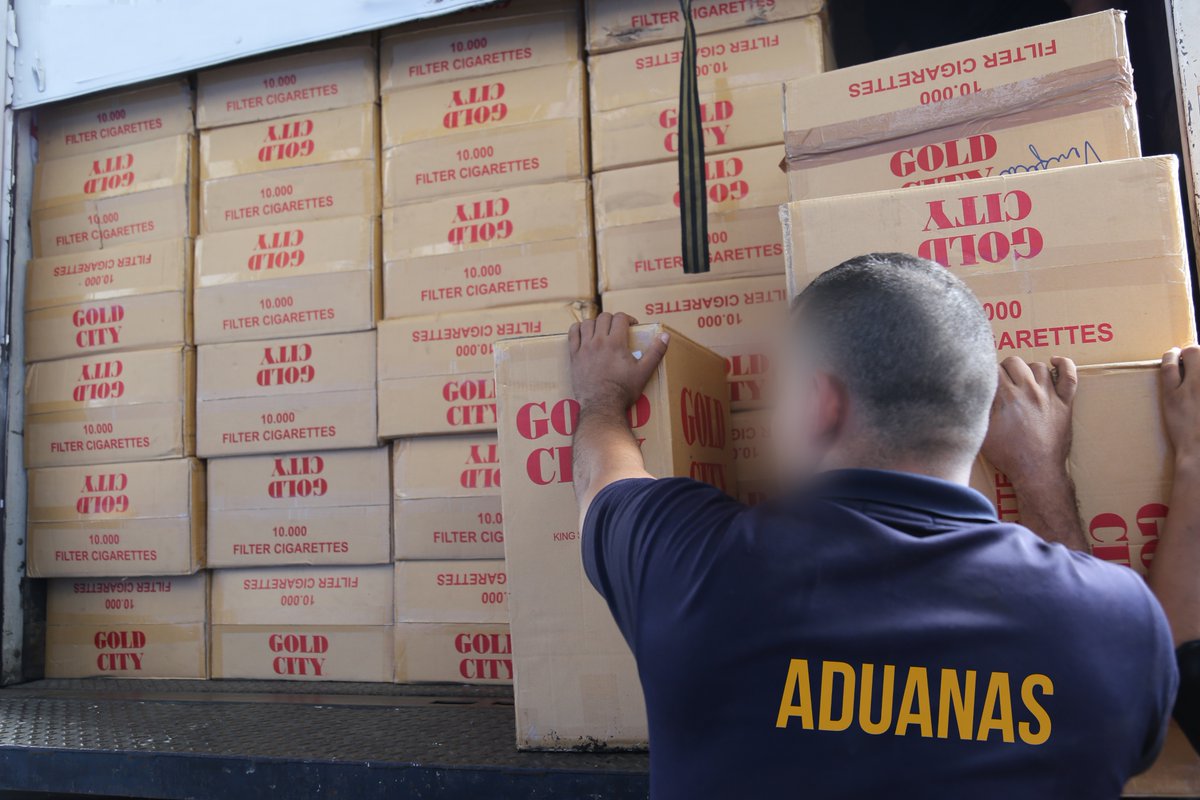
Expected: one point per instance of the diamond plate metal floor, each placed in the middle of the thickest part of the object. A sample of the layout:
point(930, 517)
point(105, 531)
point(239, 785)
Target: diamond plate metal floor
point(249, 739)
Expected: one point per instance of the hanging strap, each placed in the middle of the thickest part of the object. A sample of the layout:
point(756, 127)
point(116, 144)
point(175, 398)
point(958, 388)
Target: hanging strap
point(693, 192)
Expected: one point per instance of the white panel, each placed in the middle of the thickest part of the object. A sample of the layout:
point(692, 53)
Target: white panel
point(73, 47)
point(1186, 52)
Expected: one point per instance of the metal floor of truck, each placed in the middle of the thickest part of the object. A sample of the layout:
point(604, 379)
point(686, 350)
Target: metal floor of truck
point(250, 739)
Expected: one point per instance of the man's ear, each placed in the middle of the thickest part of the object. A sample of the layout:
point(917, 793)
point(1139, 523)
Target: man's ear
point(833, 406)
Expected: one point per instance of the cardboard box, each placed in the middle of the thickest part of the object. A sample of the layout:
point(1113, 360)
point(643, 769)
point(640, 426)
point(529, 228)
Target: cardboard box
point(107, 326)
point(128, 601)
point(541, 152)
point(141, 167)
point(638, 241)
point(731, 119)
point(299, 194)
point(750, 437)
point(453, 653)
point(176, 650)
point(112, 408)
point(303, 82)
point(303, 652)
point(335, 595)
point(447, 497)
point(1121, 461)
point(300, 509)
point(115, 119)
point(281, 395)
point(618, 24)
point(1176, 773)
point(964, 110)
point(435, 373)
point(288, 280)
point(561, 628)
point(1087, 262)
point(169, 213)
point(527, 244)
point(724, 60)
point(128, 520)
point(740, 319)
point(322, 137)
point(418, 55)
point(121, 271)
point(451, 591)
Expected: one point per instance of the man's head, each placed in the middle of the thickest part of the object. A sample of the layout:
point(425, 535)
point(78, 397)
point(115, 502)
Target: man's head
point(892, 364)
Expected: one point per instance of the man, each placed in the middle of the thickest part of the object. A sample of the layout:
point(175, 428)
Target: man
point(877, 632)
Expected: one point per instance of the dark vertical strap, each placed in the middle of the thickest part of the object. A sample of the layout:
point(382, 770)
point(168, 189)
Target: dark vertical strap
point(693, 192)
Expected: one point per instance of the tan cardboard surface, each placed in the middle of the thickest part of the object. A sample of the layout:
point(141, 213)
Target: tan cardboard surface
point(107, 326)
point(448, 528)
point(132, 519)
point(300, 509)
point(1121, 462)
point(115, 119)
point(446, 466)
point(451, 591)
point(539, 272)
point(749, 436)
point(287, 280)
point(724, 60)
point(128, 601)
point(1085, 262)
point(486, 220)
point(120, 271)
point(453, 653)
point(540, 152)
point(139, 167)
point(637, 220)
point(114, 221)
point(435, 372)
point(618, 24)
point(732, 119)
point(340, 134)
point(313, 79)
point(281, 395)
point(1176, 773)
point(577, 682)
point(299, 194)
point(303, 652)
point(738, 318)
point(333, 595)
point(112, 408)
point(127, 651)
point(420, 55)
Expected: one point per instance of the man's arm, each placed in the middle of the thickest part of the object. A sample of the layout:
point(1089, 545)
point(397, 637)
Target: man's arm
point(607, 380)
point(1029, 439)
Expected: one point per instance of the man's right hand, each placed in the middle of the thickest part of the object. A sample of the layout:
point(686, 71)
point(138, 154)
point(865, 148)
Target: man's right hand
point(1181, 404)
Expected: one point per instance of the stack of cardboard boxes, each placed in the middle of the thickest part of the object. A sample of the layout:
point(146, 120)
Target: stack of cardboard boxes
point(744, 52)
point(116, 499)
point(287, 296)
point(487, 234)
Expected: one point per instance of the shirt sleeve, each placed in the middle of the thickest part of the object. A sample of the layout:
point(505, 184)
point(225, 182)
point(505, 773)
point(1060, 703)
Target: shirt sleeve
point(643, 532)
point(1162, 680)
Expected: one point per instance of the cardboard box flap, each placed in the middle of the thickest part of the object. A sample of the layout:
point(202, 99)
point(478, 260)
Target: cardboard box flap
point(342, 244)
point(478, 221)
point(128, 601)
point(446, 466)
point(138, 167)
point(618, 24)
point(336, 478)
point(119, 379)
point(173, 488)
point(120, 271)
point(460, 343)
point(299, 365)
point(115, 119)
point(454, 48)
point(339, 134)
point(471, 105)
point(316, 78)
point(332, 595)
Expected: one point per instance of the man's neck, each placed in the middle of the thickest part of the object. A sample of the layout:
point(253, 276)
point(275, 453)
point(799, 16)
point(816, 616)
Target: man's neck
point(953, 470)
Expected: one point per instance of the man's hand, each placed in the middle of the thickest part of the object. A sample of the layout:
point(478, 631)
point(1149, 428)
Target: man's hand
point(1029, 439)
point(1181, 404)
point(607, 378)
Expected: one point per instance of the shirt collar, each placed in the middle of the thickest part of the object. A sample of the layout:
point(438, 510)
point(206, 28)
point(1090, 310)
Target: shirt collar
point(920, 493)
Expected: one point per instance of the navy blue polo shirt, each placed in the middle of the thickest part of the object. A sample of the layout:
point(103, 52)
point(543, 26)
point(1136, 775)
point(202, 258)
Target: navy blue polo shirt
point(879, 635)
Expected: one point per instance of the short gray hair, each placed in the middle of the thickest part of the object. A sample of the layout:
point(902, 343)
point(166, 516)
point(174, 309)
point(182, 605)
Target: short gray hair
point(911, 344)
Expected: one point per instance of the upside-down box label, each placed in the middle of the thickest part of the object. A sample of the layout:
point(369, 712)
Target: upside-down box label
point(329, 595)
point(618, 24)
point(451, 591)
point(128, 601)
point(140, 167)
point(120, 271)
point(115, 119)
point(453, 653)
point(750, 437)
